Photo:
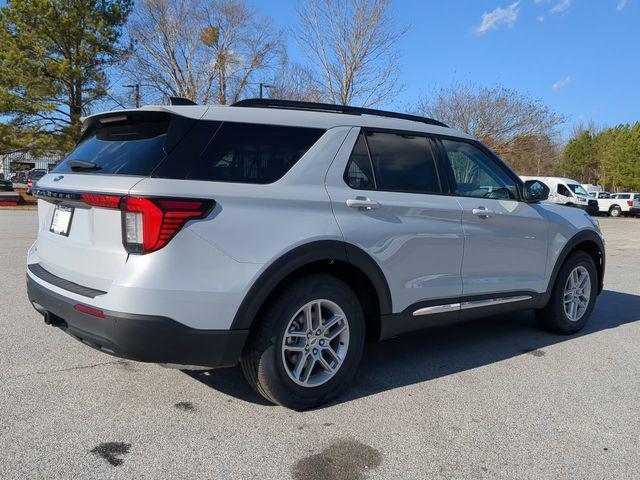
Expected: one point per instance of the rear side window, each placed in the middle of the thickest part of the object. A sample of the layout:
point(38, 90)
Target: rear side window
point(131, 146)
point(393, 162)
point(239, 152)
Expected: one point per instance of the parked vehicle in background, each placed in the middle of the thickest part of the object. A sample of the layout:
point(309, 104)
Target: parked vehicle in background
point(33, 177)
point(6, 186)
point(283, 234)
point(592, 189)
point(20, 177)
point(617, 204)
point(635, 207)
point(565, 191)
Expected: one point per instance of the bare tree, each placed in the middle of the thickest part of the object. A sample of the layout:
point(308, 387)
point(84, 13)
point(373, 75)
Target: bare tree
point(352, 45)
point(198, 49)
point(295, 82)
point(243, 45)
point(522, 130)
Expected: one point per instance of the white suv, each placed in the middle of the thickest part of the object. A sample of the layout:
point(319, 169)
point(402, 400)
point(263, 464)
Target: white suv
point(281, 235)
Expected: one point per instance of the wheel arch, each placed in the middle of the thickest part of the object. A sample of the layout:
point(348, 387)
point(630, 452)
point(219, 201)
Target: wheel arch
point(588, 241)
point(347, 262)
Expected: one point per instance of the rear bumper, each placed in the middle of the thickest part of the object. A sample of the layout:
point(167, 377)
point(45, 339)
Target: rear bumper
point(142, 338)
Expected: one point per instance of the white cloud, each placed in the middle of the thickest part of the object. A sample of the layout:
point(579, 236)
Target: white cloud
point(561, 7)
point(622, 4)
point(560, 84)
point(540, 18)
point(500, 16)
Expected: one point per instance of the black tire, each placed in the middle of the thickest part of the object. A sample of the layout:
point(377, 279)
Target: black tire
point(262, 362)
point(553, 317)
point(615, 211)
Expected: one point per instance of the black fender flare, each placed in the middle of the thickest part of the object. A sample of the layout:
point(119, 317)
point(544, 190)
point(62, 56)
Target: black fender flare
point(578, 238)
point(317, 251)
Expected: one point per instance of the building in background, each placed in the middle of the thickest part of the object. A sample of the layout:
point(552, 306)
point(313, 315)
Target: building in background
point(17, 161)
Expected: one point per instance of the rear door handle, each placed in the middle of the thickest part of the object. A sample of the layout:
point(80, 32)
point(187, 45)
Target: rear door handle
point(362, 203)
point(483, 212)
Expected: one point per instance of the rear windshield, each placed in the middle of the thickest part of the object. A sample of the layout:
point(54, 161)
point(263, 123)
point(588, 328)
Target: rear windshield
point(127, 147)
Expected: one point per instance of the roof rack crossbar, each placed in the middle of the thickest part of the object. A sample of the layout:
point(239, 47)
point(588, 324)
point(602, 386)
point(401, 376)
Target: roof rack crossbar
point(329, 107)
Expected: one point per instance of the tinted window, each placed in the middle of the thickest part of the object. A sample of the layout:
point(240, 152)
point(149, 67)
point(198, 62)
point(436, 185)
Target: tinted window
point(564, 191)
point(623, 196)
point(238, 152)
point(126, 148)
point(403, 163)
point(359, 174)
point(476, 174)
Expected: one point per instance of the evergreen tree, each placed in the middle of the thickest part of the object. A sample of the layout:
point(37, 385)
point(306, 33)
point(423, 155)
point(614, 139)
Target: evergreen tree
point(53, 63)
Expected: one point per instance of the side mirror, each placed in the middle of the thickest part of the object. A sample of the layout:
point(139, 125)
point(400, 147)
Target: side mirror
point(535, 191)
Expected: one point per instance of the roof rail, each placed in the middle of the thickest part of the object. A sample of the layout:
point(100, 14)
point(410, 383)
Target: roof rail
point(181, 101)
point(329, 107)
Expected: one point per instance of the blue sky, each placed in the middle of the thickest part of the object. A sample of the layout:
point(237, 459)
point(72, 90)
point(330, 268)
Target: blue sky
point(581, 57)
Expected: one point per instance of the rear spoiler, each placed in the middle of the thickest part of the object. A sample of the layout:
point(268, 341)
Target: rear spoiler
point(190, 111)
point(177, 125)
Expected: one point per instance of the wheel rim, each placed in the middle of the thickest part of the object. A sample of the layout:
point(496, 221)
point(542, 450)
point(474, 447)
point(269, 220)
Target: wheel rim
point(315, 343)
point(577, 293)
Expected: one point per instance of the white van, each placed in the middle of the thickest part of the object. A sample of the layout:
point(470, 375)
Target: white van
point(565, 191)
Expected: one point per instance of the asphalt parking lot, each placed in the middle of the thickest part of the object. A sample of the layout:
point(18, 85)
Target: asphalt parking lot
point(496, 398)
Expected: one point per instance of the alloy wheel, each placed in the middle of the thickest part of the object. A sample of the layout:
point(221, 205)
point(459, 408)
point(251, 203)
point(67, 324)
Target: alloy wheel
point(315, 343)
point(577, 293)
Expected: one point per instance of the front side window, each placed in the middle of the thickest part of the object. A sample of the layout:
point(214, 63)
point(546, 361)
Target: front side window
point(564, 191)
point(476, 174)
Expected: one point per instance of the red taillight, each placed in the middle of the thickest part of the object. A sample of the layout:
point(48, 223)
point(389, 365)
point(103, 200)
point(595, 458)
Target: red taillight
point(630, 203)
point(150, 223)
point(101, 201)
point(94, 312)
point(29, 183)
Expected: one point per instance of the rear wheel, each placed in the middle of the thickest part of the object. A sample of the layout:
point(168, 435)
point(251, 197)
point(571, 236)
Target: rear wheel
point(308, 344)
point(615, 211)
point(573, 296)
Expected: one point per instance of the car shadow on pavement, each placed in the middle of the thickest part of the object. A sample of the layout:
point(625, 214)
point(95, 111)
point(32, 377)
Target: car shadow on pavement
point(443, 351)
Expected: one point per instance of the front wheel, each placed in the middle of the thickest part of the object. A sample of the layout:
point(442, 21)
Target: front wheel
point(573, 296)
point(308, 344)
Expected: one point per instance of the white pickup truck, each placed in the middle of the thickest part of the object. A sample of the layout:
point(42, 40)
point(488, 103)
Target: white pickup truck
point(618, 204)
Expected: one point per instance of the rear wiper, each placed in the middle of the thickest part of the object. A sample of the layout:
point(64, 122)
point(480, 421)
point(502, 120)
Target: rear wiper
point(82, 165)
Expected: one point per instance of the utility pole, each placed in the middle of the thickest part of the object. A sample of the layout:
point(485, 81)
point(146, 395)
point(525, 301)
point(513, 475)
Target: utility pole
point(264, 85)
point(136, 91)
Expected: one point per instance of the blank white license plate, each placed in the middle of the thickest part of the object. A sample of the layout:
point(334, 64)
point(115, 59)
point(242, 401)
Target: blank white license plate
point(61, 222)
